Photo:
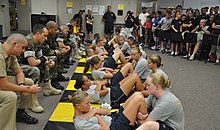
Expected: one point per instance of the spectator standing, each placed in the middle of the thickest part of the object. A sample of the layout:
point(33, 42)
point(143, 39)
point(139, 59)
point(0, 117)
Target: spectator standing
point(109, 18)
point(89, 24)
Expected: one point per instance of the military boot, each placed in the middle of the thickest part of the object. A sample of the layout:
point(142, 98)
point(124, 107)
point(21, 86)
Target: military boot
point(49, 90)
point(75, 54)
point(36, 107)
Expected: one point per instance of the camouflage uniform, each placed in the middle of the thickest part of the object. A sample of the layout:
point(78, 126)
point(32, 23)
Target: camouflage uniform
point(48, 49)
point(61, 37)
point(34, 50)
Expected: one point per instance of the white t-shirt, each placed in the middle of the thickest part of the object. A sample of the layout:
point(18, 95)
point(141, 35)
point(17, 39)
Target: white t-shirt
point(143, 17)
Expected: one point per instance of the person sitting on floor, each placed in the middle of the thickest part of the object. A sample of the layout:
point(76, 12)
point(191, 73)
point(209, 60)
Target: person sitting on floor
point(111, 61)
point(89, 118)
point(154, 63)
point(116, 94)
point(100, 71)
point(165, 109)
point(139, 63)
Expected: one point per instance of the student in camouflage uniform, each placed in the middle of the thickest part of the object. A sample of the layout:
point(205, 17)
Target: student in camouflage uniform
point(51, 47)
point(33, 56)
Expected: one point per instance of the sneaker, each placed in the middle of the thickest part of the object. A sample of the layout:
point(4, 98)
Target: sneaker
point(172, 53)
point(24, 117)
point(176, 53)
point(191, 58)
point(161, 50)
point(216, 62)
point(185, 57)
point(153, 47)
point(168, 51)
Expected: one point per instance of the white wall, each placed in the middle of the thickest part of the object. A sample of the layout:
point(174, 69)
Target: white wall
point(200, 3)
point(47, 6)
point(23, 12)
point(4, 18)
point(63, 17)
point(167, 3)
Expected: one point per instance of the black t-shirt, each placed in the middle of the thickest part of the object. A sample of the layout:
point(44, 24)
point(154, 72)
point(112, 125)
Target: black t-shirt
point(201, 17)
point(128, 22)
point(136, 21)
point(217, 22)
point(189, 21)
point(78, 17)
point(89, 17)
point(177, 24)
point(109, 17)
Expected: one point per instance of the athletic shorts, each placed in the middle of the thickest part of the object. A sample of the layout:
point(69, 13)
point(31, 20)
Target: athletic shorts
point(118, 77)
point(120, 121)
point(109, 28)
point(163, 126)
point(110, 63)
point(117, 95)
point(89, 28)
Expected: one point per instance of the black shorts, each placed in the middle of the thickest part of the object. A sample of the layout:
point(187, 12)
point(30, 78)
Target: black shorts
point(176, 37)
point(89, 28)
point(120, 121)
point(163, 126)
point(117, 95)
point(165, 35)
point(110, 63)
point(109, 28)
point(118, 77)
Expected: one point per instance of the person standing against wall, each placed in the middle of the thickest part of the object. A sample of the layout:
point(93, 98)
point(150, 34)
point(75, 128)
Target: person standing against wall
point(129, 21)
point(89, 24)
point(109, 18)
point(142, 19)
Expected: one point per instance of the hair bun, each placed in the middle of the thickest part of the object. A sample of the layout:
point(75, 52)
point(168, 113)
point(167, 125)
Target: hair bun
point(167, 83)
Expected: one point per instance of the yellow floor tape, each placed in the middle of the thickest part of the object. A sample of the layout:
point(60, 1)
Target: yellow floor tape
point(81, 69)
point(64, 112)
point(83, 60)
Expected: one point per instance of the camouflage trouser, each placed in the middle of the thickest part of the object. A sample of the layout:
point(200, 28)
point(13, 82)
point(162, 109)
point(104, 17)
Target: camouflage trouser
point(53, 71)
point(60, 63)
point(44, 72)
point(31, 72)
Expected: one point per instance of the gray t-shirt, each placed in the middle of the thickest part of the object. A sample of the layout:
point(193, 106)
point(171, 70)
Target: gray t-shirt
point(141, 68)
point(126, 48)
point(95, 97)
point(165, 23)
point(90, 124)
point(161, 72)
point(98, 74)
point(168, 109)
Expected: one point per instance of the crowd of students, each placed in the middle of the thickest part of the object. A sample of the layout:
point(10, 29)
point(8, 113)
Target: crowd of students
point(173, 31)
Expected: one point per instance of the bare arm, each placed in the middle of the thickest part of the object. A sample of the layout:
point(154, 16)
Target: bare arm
point(102, 123)
point(19, 75)
point(174, 28)
point(214, 26)
point(33, 61)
